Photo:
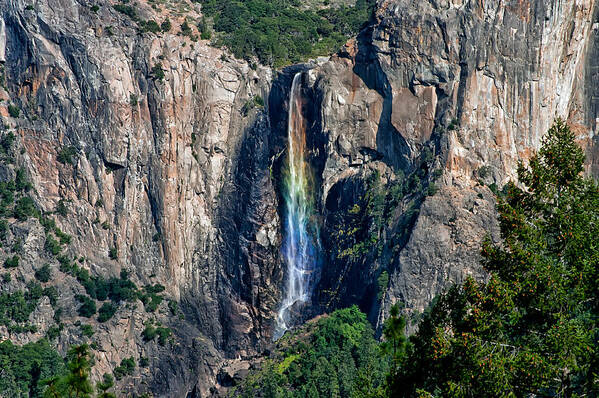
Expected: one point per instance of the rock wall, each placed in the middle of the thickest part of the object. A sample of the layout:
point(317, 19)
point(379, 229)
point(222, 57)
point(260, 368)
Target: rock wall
point(179, 173)
point(476, 82)
point(171, 171)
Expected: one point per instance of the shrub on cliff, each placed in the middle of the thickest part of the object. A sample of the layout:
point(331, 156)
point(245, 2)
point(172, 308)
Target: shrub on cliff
point(157, 72)
point(166, 25)
point(25, 208)
point(67, 155)
point(13, 111)
point(44, 273)
point(126, 368)
point(88, 306)
point(106, 312)
point(11, 262)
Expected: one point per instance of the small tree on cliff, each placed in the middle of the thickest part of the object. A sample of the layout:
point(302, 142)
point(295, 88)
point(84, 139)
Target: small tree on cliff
point(76, 383)
point(532, 328)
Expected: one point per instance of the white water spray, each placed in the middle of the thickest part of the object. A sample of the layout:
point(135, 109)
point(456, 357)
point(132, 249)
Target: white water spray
point(299, 250)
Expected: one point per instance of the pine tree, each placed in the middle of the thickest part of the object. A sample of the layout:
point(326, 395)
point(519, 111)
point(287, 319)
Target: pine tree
point(53, 387)
point(395, 341)
point(531, 329)
point(77, 381)
point(103, 386)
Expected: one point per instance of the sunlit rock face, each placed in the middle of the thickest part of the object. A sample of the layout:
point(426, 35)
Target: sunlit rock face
point(172, 171)
point(183, 174)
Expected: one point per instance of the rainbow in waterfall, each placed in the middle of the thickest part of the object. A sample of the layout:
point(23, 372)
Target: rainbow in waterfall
point(300, 241)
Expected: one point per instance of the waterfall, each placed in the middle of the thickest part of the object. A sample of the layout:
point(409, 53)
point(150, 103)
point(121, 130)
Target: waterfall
point(299, 248)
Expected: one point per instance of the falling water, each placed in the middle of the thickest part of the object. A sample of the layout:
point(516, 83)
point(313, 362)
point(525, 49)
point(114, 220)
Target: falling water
point(299, 249)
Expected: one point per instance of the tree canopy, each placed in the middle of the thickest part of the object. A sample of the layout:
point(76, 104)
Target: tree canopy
point(531, 329)
point(280, 32)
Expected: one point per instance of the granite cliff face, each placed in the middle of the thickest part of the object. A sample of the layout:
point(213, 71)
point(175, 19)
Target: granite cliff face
point(175, 163)
point(475, 84)
point(171, 171)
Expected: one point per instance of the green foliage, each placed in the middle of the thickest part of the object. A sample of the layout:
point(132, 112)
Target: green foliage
point(61, 208)
point(185, 29)
point(157, 72)
point(121, 289)
point(106, 384)
point(88, 306)
point(255, 102)
point(126, 368)
point(65, 239)
point(149, 26)
point(360, 228)
point(163, 334)
point(11, 262)
point(52, 246)
point(206, 35)
point(532, 329)
point(394, 345)
point(7, 146)
point(14, 110)
point(113, 253)
point(150, 332)
point(453, 125)
point(87, 330)
point(25, 208)
point(67, 155)
point(335, 356)
point(173, 307)
point(432, 189)
point(6, 277)
point(24, 368)
point(117, 289)
point(52, 294)
point(382, 282)
point(166, 25)
point(94, 8)
point(3, 229)
point(126, 9)
point(44, 273)
point(21, 181)
point(53, 332)
point(151, 302)
point(77, 381)
point(106, 312)
point(281, 32)
point(16, 307)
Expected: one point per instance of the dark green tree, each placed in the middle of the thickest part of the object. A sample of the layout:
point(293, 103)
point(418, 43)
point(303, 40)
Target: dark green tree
point(77, 381)
point(103, 386)
point(394, 345)
point(531, 329)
